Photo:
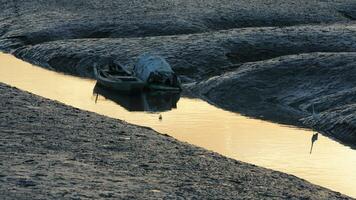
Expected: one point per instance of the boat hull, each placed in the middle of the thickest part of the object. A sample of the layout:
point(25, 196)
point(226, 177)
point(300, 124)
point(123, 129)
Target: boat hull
point(124, 87)
point(120, 83)
point(163, 87)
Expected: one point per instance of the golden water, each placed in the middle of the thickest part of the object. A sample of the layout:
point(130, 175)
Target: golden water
point(266, 144)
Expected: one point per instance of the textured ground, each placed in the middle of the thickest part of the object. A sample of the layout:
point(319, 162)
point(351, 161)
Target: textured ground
point(52, 151)
point(47, 20)
point(271, 59)
point(266, 59)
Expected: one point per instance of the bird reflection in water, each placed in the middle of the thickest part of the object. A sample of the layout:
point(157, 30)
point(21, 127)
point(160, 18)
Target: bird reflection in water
point(153, 101)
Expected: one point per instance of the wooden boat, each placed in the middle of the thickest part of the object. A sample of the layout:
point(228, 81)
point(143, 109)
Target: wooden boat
point(118, 79)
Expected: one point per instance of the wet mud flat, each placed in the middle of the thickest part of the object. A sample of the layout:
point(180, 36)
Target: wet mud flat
point(50, 151)
point(256, 57)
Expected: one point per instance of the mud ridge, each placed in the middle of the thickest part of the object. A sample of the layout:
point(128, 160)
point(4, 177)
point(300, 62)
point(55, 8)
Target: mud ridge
point(284, 89)
point(194, 56)
point(44, 21)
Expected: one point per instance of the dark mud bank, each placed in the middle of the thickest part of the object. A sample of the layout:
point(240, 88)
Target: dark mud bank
point(286, 88)
point(51, 151)
point(270, 60)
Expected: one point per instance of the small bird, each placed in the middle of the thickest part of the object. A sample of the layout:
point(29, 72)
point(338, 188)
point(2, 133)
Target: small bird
point(313, 140)
point(160, 117)
point(315, 136)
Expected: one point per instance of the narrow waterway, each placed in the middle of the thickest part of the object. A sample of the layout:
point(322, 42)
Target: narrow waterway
point(286, 149)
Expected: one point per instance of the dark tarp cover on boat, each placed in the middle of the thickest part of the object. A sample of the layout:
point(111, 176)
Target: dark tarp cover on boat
point(155, 70)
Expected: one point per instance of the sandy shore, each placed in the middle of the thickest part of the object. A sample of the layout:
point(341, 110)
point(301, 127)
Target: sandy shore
point(53, 151)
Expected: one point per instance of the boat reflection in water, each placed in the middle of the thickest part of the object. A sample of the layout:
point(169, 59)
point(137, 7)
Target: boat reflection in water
point(152, 101)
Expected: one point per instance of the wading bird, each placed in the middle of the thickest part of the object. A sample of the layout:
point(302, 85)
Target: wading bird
point(315, 136)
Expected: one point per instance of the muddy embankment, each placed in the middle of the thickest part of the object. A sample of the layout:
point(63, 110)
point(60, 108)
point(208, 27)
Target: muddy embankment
point(271, 60)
